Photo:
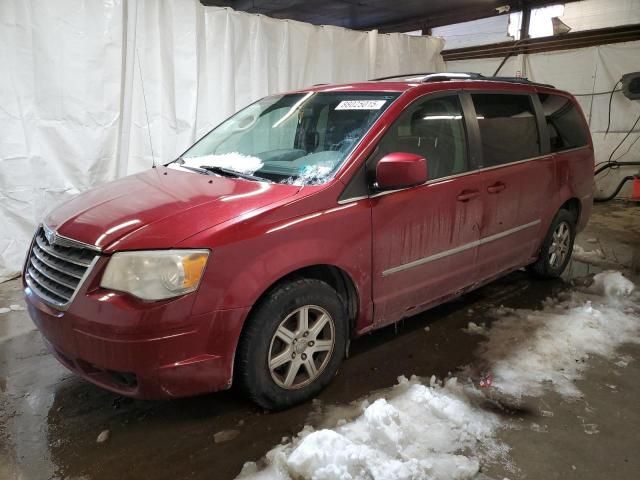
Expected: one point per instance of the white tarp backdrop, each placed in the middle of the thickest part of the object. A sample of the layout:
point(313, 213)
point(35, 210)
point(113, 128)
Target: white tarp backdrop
point(72, 112)
point(585, 71)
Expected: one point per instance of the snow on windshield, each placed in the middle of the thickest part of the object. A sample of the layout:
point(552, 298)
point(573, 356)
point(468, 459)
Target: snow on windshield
point(231, 161)
point(443, 429)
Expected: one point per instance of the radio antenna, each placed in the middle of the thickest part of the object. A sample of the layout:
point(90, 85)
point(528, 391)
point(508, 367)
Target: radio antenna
point(146, 111)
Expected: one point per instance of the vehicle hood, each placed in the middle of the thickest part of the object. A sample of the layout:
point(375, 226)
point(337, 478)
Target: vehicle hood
point(159, 207)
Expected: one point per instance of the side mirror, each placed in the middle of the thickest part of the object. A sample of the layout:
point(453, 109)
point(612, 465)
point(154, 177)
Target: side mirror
point(400, 170)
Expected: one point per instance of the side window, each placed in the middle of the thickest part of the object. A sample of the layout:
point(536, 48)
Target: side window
point(564, 123)
point(508, 128)
point(434, 129)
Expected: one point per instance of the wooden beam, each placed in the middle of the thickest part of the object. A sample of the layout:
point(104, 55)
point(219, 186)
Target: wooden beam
point(587, 38)
point(525, 23)
point(450, 17)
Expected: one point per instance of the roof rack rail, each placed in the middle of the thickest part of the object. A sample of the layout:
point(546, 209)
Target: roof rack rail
point(402, 75)
point(445, 76)
point(523, 80)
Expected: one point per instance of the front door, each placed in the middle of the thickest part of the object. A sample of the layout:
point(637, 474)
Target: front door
point(425, 238)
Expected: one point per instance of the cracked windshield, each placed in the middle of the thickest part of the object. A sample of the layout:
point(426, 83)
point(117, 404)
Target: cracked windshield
point(300, 139)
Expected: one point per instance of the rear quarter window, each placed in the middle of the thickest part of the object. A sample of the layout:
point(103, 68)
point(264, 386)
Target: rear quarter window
point(565, 124)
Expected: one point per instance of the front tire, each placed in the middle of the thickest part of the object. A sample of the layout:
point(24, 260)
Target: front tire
point(557, 247)
point(292, 345)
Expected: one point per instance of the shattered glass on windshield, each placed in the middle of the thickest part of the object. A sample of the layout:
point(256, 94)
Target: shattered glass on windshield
point(297, 139)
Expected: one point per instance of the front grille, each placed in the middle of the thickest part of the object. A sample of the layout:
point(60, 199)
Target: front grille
point(56, 269)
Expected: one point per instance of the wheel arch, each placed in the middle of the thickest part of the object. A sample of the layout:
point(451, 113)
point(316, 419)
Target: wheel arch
point(574, 206)
point(335, 276)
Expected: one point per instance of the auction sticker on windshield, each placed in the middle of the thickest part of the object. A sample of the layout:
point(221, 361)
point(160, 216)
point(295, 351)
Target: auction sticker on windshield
point(360, 104)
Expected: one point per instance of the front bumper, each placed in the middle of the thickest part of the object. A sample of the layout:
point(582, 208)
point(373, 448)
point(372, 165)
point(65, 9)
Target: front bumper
point(138, 349)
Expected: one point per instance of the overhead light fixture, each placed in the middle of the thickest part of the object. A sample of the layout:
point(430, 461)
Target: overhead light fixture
point(503, 9)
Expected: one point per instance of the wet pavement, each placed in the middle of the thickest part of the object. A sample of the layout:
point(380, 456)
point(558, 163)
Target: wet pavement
point(51, 420)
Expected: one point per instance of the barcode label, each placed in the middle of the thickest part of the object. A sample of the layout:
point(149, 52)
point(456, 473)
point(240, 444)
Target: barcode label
point(360, 104)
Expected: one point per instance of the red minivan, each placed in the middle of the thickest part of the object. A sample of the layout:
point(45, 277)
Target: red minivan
point(303, 221)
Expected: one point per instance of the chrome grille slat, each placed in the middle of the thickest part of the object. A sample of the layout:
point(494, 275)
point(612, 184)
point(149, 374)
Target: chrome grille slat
point(55, 271)
point(47, 296)
point(77, 260)
point(42, 269)
point(53, 287)
point(56, 264)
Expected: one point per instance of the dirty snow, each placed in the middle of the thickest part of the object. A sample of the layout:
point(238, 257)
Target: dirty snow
point(444, 430)
point(413, 431)
point(103, 436)
point(595, 257)
point(476, 329)
point(225, 435)
point(529, 351)
point(623, 361)
point(581, 253)
point(233, 161)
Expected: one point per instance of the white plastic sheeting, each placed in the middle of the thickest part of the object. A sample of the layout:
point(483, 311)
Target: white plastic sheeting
point(583, 71)
point(476, 32)
point(71, 106)
point(592, 14)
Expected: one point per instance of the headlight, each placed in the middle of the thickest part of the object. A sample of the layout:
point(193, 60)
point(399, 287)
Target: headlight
point(155, 274)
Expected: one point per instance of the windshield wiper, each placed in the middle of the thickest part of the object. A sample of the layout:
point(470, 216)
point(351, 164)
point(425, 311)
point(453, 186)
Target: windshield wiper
point(180, 161)
point(227, 172)
point(196, 169)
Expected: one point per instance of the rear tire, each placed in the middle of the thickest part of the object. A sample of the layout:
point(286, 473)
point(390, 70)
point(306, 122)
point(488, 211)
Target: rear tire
point(557, 247)
point(292, 345)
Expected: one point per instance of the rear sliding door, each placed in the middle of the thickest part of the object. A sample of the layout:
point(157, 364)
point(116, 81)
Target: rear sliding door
point(516, 179)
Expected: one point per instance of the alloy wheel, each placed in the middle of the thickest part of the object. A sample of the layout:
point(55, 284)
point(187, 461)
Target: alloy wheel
point(301, 347)
point(559, 247)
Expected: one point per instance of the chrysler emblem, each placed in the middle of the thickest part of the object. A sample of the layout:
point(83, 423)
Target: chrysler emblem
point(50, 235)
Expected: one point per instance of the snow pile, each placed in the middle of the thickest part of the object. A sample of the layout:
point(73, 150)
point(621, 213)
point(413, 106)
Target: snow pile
point(529, 351)
point(612, 284)
point(414, 431)
point(432, 430)
point(232, 161)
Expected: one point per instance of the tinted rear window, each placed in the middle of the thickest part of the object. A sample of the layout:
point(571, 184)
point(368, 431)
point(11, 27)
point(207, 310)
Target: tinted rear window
point(508, 128)
point(564, 123)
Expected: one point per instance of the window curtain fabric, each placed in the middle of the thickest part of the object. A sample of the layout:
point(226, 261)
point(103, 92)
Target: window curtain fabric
point(72, 109)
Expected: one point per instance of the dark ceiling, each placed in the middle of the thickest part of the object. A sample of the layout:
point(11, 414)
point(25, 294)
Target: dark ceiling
point(385, 15)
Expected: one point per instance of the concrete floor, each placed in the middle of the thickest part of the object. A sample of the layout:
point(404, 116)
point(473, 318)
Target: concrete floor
point(51, 419)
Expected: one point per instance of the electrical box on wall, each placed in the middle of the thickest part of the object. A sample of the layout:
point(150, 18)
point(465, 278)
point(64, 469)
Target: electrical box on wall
point(631, 85)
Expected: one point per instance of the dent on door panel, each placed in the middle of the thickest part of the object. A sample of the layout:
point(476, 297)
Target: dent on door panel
point(512, 217)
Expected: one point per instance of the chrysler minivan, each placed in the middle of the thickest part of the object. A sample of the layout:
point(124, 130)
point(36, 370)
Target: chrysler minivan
point(303, 221)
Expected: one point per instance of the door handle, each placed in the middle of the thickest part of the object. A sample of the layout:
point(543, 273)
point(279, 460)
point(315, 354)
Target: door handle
point(466, 195)
point(496, 187)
